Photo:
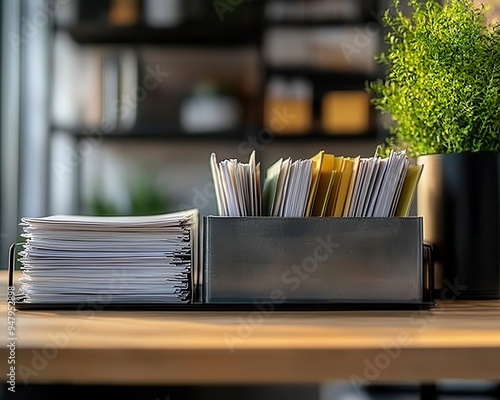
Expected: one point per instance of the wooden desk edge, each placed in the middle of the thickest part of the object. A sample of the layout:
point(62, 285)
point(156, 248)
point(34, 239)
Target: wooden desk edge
point(160, 367)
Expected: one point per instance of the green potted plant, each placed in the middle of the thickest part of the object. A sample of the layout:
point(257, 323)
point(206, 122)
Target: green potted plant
point(442, 92)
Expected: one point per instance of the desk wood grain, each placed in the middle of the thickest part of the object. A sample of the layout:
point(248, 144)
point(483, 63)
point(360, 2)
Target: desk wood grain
point(457, 339)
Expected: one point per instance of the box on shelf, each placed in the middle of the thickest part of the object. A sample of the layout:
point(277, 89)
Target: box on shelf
point(346, 112)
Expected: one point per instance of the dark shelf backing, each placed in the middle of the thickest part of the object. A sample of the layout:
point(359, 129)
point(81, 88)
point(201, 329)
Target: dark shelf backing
point(367, 13)
point(202, 35)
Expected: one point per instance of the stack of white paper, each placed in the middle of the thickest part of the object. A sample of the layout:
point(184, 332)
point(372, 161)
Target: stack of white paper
point(105, 260)
point(237, 186)
point(377, 186)
point(286, 188)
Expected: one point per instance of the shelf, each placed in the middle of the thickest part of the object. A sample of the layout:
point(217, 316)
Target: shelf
point(324, 79)
point(322, 136)
point(199, 35)
point(153, 133)
point(320, 73)
point(311, 24)
point(172, 133)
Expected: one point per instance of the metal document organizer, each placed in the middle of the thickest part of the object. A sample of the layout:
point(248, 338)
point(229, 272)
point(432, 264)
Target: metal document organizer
point(317, 260)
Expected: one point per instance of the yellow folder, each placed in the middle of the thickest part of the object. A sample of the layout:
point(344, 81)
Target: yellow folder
point(344, 187)
point(338, 166)
point(317, 162)
point(408, 190)
point(324, 180)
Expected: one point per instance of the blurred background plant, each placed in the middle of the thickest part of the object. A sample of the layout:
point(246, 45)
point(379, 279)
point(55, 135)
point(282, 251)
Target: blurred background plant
point(145, 198)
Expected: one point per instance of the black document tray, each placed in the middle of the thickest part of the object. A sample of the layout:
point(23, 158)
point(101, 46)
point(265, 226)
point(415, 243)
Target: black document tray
point(200, 304)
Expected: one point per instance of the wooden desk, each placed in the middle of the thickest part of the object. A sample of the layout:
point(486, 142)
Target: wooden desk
point(455, 340)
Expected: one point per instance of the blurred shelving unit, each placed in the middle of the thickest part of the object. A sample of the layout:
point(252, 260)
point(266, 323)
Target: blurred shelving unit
point(324, 76)
point(233, 69)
